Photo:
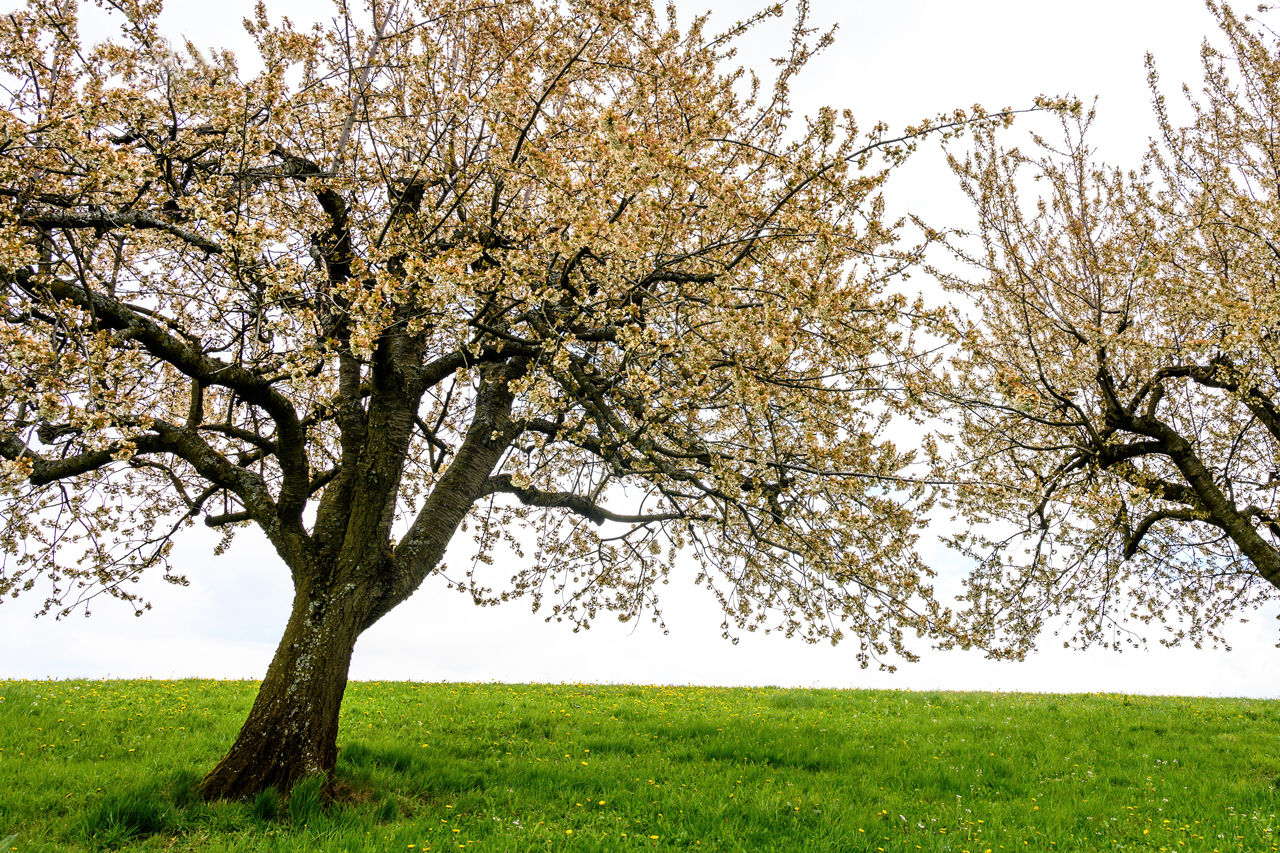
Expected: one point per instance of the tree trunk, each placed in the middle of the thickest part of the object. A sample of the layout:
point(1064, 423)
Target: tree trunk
point(292, 729)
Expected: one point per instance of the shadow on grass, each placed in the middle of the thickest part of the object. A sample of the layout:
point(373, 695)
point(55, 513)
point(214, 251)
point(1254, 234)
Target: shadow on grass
point(422, 772)
point(130, 815)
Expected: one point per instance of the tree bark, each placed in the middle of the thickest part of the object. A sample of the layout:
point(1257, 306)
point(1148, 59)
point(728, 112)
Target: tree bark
point(292, 730)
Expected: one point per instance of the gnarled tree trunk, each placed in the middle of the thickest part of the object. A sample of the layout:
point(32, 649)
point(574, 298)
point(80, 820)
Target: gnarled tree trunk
point(292, 729)
point(349, 579)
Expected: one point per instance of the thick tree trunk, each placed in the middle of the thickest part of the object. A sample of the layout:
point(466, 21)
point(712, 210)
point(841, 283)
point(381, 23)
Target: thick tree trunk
point(292, 729)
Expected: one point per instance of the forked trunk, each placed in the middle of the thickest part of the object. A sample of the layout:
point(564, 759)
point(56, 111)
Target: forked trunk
point(292, 729)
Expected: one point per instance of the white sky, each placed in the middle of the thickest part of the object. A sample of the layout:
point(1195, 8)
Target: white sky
point(897, 61)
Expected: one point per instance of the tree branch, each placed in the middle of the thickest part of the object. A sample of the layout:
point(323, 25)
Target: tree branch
point(107, 221)
point(1134, 540)
point(183, 354)
point(582, 506)
point(45, 471)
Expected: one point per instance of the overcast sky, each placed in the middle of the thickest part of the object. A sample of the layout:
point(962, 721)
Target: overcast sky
point(894, 61)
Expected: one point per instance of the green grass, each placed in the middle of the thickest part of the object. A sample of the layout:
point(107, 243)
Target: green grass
point(90, 765)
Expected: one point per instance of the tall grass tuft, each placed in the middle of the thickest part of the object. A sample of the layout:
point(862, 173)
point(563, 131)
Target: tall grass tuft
point(266, 806)
point(128, 816)
point(306, 800)
point(182, 787)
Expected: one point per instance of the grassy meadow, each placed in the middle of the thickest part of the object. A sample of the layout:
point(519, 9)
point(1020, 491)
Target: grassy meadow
point(90, 765)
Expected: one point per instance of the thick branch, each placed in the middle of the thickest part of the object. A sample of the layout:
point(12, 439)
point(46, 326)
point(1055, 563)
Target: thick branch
point(1162, 488)
point(184, 355)
point(440, 369)
point(567, 500)
point(245, 435)
point(1134, 540)
point(1222, 511)
point(677, 277)
point(183, 442)
point(45, 471)
point(109, 220)
point(1223, 374)
point(223, 520)
point(462, 484)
